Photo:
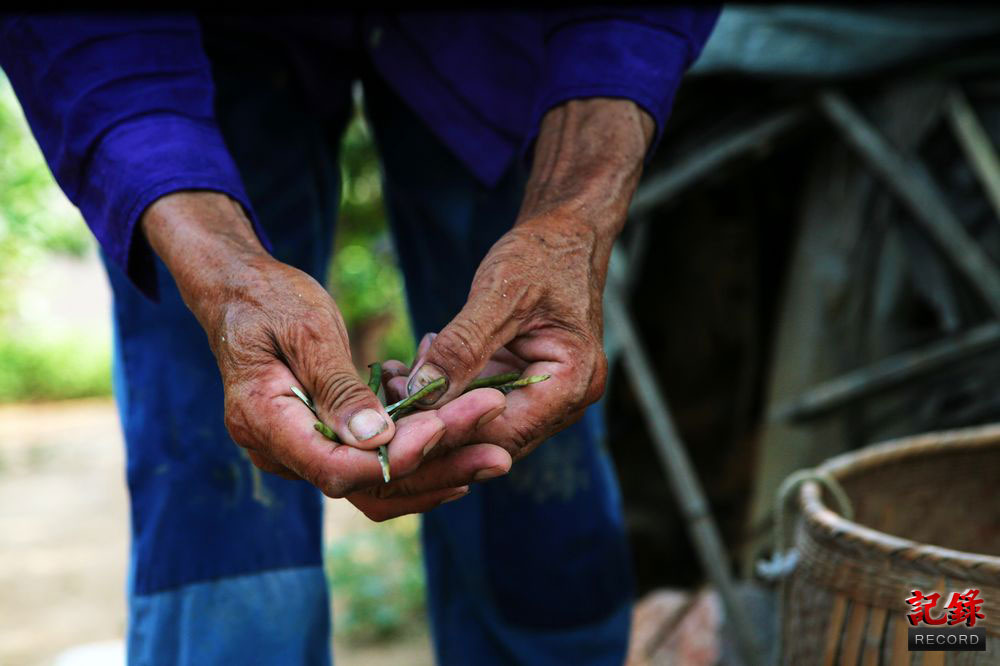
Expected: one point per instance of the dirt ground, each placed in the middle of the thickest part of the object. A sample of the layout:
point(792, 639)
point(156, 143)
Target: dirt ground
point(64, 539)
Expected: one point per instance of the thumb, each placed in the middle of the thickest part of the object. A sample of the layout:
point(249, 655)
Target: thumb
point(460, 351)
point(346, 404)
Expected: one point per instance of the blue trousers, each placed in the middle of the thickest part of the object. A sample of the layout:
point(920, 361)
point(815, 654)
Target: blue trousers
point(226, 561)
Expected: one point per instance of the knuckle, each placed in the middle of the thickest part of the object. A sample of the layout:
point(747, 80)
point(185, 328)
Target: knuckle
point(387, 491)
point(312, 326)
point(598, 380)
point(376, 514)
point(332, 489)
point(525, 433)
point(316, 473)
point(237, 422)
point(340, 388)
point(527, 297)
point(572, 418)
point(263, 463)
point(461, 345)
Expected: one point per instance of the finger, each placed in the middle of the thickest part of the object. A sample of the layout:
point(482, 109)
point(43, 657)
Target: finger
point(393, 368)
point(317, 354)
point(578, 366)
point(463, 416)
point(269, 419)
point(394, 375)
point(524, 425)
point(425, 344)
point(395, 389)
point(503, 360)
point(464, 347)
point(577, 376)
point(378, 509)
point(423, 428)
point(477, 462)
point(395, 383)
point(352, 410)
point(415, 438)
point(466, 414)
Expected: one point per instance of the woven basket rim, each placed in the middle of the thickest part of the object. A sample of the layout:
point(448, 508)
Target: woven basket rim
point(821, 520)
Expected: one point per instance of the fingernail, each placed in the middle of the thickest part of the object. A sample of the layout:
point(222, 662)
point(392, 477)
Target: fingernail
point(489, 473)
point(424, 376)
point(490, 415)
point(434, 441)
point(461, 492)
point(366, 424)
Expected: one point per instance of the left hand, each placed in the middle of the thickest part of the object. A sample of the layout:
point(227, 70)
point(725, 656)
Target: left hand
point(535, 307)
point(536, 300)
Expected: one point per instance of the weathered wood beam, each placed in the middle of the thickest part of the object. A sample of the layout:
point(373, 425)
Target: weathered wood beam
point(910, 180)
point(889, 373)
point(658, 189)
point(676, 464)
point(662, 187)
point(976, 145)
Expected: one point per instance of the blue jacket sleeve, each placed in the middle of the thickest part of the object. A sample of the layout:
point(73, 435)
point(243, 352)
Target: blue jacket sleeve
point(122, 108)
point(637, 54)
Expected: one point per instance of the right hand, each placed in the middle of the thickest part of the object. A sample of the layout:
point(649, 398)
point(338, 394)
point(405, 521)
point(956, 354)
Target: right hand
point(271, 326)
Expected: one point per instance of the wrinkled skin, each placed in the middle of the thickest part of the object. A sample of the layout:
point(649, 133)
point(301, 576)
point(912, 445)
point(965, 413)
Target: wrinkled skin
point(535, 305)
point(535, 301)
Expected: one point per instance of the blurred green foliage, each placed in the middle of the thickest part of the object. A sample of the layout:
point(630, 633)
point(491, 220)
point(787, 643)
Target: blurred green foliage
point(35, 217)
point(36, 222)
point(377, 582)
point(54, 367)
point(364, 278)
point(376, 576)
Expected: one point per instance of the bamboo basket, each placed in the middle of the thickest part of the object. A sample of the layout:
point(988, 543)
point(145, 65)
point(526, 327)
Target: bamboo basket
point(926, 516)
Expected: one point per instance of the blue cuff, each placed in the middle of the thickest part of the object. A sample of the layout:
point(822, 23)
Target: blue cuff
point(145, 158)
point(612, 58)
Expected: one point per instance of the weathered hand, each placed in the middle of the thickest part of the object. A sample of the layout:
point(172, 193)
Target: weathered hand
point(535, 307)
point(264, 351)
point(535, 301)
point(271, 327)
